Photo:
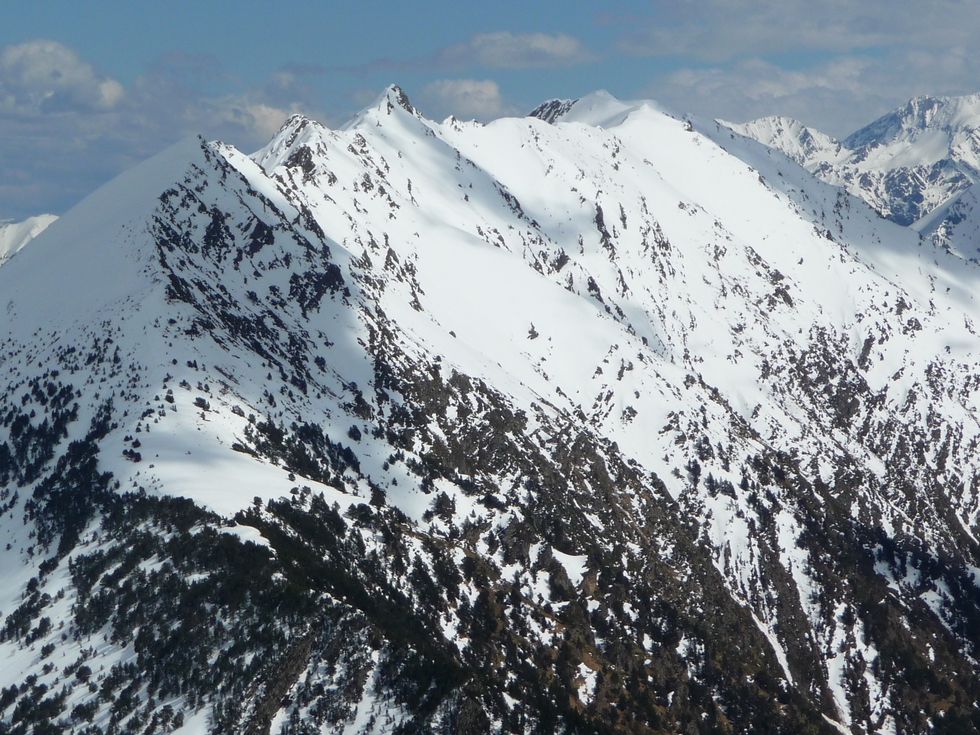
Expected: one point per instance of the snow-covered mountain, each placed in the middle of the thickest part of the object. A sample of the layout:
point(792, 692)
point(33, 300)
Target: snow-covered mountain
point(612, 421)
point(905, 164)
point(15, 235)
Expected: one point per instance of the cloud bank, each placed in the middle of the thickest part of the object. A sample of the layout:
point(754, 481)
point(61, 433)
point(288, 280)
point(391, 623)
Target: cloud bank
point(498, 50)
point(464, 98)
point(505, 50)
point(717, 30)
point(68, 128)
point(834, 64)
point(44, 77)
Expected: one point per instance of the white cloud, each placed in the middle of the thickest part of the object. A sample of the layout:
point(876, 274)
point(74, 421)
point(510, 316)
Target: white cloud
point(835, 64)
point(725, 29)
point(499, 50)
point(45, 76)
point(465, 98)
point(505, 50)
point(67, 128)
point(837, 96)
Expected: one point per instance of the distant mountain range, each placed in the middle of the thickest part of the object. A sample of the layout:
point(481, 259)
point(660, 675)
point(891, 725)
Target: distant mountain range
point(907, 164)
point(601, 420)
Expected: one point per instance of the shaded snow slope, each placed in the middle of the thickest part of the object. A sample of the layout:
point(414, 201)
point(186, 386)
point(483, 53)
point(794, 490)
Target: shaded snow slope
point(682, 414)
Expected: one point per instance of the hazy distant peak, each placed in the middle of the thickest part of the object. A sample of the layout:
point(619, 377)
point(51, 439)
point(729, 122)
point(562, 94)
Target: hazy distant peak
point(15, 235)
point(905, 164)
point(950, 115)
point(798, 141)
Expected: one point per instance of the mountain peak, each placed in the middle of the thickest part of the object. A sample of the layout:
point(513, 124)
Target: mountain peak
point(296, 131)
point(396, 97)
point(551, 110)
point(391, 103)
point(93, 252)
point(924, 115)
point(392, 99)
point(596, 109)
point(294, 125)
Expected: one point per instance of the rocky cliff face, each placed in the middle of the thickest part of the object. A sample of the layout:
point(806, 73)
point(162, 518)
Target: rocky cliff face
point(601, 422)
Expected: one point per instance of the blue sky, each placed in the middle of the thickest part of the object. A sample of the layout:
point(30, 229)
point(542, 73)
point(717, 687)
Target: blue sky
point(90, 88)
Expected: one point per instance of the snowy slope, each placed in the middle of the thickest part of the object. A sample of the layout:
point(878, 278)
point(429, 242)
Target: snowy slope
point(640, 378)
point(15, 235)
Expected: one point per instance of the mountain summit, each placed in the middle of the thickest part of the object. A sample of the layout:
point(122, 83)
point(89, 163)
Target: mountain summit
point(599, 420)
